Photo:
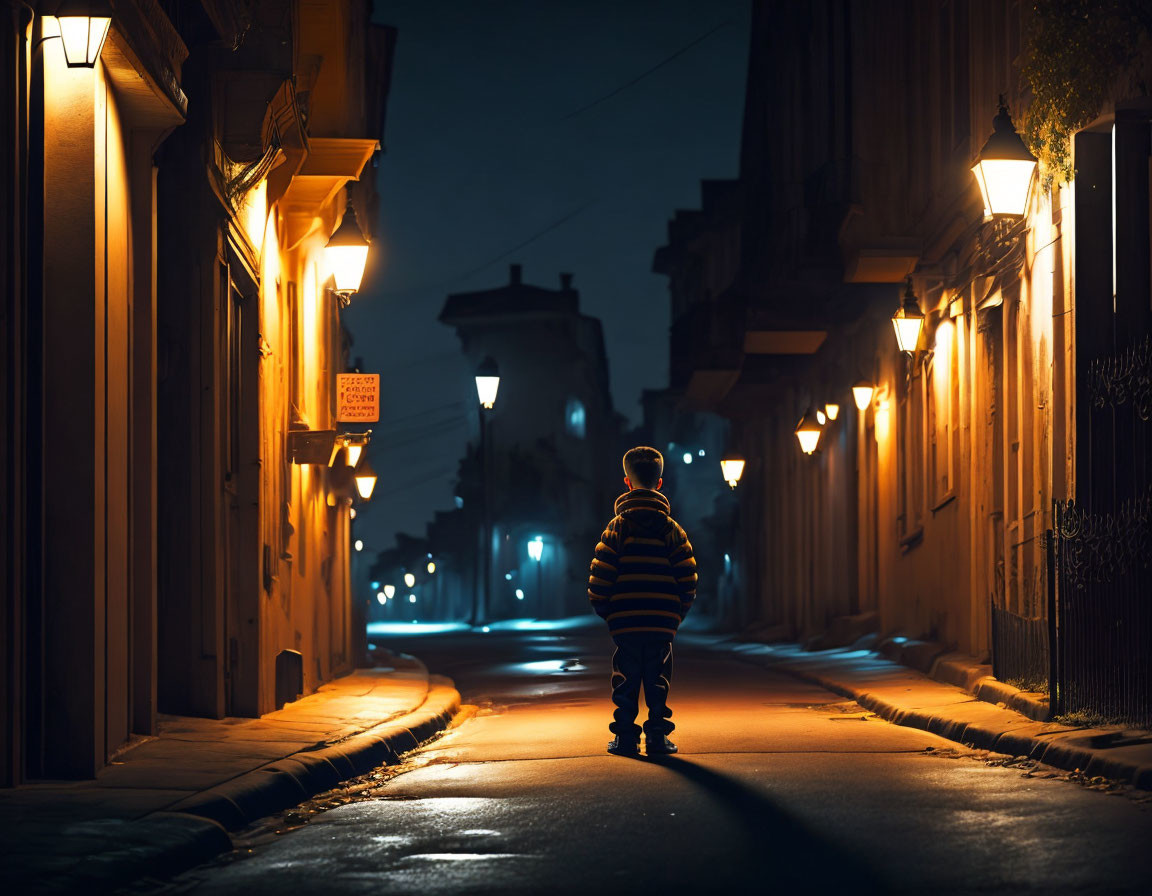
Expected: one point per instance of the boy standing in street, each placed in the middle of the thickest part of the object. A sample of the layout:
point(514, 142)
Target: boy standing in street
point(642, 582)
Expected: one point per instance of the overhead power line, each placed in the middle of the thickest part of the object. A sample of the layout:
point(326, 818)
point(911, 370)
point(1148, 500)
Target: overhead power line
point(659, 65)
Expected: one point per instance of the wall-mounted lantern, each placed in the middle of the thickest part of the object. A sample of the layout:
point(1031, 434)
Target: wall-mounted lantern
point(487, 382)
point(732, 466)
point(365, 479)
point(808, 431)
point(84, 27)
point(346, 254)
point(832, 410)
point(1004, 168)
point(908, 320)
point(862, 394)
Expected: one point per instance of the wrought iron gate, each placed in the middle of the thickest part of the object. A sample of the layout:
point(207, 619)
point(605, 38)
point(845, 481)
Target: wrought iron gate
point(1100, 595)
point(1100, 552)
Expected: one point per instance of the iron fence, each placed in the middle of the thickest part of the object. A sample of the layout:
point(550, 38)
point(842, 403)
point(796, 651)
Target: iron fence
point(1100, 594)
point(1020, 653)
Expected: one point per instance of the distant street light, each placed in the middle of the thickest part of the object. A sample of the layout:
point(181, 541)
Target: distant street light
point(862, 394)
point(908, 320)
point(1004, 168)
point(409, 579)
point(346, 255)
point(487, 385)
point(487, 382)
point(808, 431)
point(381, 598)
point(536, 548)
point(431, 567)
point(389, 591)
point(359, 545)
point(732, 466)
point(832, 410)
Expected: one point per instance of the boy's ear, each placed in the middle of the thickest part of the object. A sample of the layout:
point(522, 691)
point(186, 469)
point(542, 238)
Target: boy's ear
point(659, 483)
point(627, 483)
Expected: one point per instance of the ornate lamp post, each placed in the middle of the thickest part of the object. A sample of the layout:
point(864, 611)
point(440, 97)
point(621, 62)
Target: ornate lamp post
point(487, 385)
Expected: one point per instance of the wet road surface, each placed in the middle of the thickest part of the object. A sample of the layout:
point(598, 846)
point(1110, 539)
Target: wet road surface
point(780, 786)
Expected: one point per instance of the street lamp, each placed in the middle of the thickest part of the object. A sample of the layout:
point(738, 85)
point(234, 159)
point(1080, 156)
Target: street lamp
point(346, 254)
point(1004, 168)
point(908, 320)
point(832, 410)
point(808, 431)
point(389, 591)
point(732, 466)
point(409, 579)
point(862, 394)
point(431, 567)
point(365, 479)
point(487, 385)
point(487, 382)
point(84, 27)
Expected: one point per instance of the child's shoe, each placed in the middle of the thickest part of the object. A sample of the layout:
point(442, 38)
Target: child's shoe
point(659, 746)
point(622, 746)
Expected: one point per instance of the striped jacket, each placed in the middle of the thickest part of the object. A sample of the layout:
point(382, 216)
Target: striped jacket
point(643, 576)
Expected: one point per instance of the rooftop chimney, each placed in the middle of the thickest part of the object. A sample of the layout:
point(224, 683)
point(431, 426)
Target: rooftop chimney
point(566, 282)
point(514, 272)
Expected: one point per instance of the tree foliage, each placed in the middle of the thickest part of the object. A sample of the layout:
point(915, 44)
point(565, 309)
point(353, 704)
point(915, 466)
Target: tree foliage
point(1075, 51)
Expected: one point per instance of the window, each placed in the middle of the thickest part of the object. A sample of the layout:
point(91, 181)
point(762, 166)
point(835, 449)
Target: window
point(574, 417)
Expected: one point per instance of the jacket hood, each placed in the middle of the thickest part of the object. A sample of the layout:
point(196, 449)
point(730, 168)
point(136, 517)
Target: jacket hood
point(645, 507)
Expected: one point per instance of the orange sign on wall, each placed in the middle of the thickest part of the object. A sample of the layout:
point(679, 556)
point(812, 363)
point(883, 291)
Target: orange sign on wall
point(358, 397)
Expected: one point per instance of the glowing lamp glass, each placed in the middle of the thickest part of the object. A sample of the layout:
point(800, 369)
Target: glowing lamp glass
point(409, 579)
point(359, 545)
point(733, 468)
point(536, 549)
point(832, 410)
point(431, 567)
point(365, 483)
point(389, 591)
point(354, 452)
point(862, 395)
point(486, 388)
point(381, 598)
point(83, 37)
point(820, 418)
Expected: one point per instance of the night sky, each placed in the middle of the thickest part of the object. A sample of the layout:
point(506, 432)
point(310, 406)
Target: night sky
point(560, 135)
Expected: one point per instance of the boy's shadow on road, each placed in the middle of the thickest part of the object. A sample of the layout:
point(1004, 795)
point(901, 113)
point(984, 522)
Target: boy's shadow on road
point(778, 847)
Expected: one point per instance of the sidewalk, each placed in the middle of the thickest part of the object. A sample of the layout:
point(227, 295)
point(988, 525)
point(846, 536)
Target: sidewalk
point(166, 803)
point(959, 700)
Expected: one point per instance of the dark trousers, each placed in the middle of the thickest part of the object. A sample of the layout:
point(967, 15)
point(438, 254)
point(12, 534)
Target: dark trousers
point(640, 663)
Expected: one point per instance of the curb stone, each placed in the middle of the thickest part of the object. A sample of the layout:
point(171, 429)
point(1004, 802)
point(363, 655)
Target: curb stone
point(1068, 749)
point(282, 784)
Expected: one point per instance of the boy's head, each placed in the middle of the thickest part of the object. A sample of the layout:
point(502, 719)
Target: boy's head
point(643, 468)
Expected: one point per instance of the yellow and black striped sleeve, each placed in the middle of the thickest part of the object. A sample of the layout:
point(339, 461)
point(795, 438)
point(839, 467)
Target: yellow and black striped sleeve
point(684, 569)
point(604, 570)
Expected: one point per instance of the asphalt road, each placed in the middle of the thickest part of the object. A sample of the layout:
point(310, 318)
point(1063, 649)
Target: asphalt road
point(780, 787)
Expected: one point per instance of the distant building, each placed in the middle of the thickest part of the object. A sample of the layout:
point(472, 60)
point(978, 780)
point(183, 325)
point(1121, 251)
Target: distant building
point(553, 439)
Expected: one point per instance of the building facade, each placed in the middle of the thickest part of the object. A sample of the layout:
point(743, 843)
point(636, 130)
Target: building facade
point(163, 550)
point(927, 507)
